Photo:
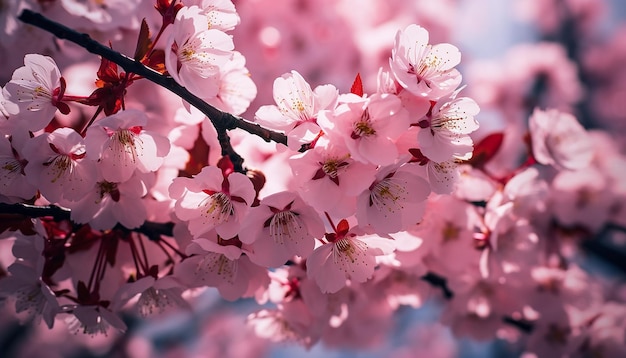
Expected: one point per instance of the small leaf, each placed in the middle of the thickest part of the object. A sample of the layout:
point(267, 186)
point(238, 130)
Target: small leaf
point(357, 86)
point(157, 61)
point(486, 149)
point(143, 41)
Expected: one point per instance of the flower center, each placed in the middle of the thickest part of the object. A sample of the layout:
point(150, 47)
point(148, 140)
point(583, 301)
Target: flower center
point(284, 225)
point(123, 142)
point(363, 127)
point(215, 263)
point(59, 166)
point(153, 300)
point(386, 194)
point(218, 207)
point(348, 248)
point(13, 166)
point(110, 189)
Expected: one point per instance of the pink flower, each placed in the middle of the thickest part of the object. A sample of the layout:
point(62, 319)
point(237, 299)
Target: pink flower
point(297, 108)
point(31, 294)
point(35, 91)
point(559, 140)
point(423, 69)
point(279, 228)
point(109, 203)
point(394, 201)
point(103, 17)
point(347, 256)
point(57, 165)
point(211, 200)
point(13, 183)
point(220, 14)
point(236, 88)
point(122, 146)
point(155, 295)
point(443, 176)
point(522, 197)
point(582, 198)
point(368, 126)
point(448, 232)
point(94, 320)
point(445, 135)
point(290, 322)
point(219, 263)
point(195, 54)
point(328, 179)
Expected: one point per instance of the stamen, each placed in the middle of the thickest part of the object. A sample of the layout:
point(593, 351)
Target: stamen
point(218, 207)
point(388, 194)
point(284, 225)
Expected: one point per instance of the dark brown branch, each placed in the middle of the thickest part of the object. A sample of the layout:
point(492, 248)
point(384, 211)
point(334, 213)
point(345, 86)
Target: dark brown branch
point(221, 120)
point(35, 211)
point(151, 229)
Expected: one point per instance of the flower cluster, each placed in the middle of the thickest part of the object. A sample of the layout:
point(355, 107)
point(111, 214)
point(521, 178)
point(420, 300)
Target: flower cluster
point(374, 200)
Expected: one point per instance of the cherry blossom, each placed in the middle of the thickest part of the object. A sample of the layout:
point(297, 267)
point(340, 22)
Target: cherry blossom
point(155, 296)
point(236, 89)
point(347, 256)
point(122, 146)
point(394, 201)
point(34, 92)
point(445, 135)
point(58, 166)
point(424, 69)
point(368, 126)
point(104, 16)
point(279, 228)
point(443, 176)
point(328, 179)
point(195, 53)
point(32, 295)
point(297, 107)
point(558, 139)
point(210, 200)
point(221, 14)
point(94, 320)
point(13, 183)
point(219, 263)
point(109, 203)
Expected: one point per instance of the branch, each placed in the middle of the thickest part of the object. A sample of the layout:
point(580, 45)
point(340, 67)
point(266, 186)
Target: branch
point(221, 120)
point(152, 230)
point(35, 211)
point(439, 281)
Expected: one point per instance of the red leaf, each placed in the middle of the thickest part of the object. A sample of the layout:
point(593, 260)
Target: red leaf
point(143, 41)
point(486, 149)
point(157, 61)
point(357, 86)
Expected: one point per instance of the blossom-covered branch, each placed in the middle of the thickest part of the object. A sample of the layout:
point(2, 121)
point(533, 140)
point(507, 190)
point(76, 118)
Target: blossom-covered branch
point(222, 121)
